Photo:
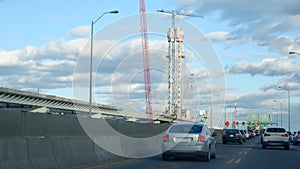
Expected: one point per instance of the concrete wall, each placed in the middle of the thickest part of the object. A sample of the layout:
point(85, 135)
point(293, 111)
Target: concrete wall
point(42, 141)
point(51, 152)
point(46, 141)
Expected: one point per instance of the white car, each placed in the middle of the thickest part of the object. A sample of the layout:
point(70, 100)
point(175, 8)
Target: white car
point(276, 136)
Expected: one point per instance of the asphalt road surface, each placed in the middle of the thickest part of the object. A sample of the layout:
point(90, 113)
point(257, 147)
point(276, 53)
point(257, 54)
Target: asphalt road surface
point(249, 155)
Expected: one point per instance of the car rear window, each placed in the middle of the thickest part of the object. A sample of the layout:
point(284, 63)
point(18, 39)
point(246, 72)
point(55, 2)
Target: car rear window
point(186, 129)
point(231, 131)
point(276, 130)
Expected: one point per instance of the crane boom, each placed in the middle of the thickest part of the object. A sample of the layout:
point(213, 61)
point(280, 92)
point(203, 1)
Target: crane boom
point(146, 62)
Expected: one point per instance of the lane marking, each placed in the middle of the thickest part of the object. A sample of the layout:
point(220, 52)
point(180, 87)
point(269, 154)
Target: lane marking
point(221, 156)
point(240, 152)
point(245, 152)
point(109, 164)
point(237, 161)
point(231, 161)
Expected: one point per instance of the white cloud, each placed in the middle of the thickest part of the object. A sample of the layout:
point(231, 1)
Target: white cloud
point(48, 66)
point(217, 36)
point(267, 67)
point(80, 31)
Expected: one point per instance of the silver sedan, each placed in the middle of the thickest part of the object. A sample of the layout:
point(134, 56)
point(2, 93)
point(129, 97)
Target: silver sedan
point(189, 139)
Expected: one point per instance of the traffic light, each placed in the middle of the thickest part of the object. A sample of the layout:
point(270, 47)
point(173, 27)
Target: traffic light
point(237, 123)
point(243, 123)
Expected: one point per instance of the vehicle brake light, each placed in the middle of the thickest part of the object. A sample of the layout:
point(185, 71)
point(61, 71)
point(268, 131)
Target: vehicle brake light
point(224, 135)
point(297, 137)
point(267, 134)
point(201, 138)
point(238, 135)
point(285, 135)
point(165, 138)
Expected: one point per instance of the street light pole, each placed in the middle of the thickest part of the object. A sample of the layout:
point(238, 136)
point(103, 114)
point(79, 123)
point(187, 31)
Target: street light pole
point(211, 118)
point(280, 111)
point(91, 59)
point(289, 106)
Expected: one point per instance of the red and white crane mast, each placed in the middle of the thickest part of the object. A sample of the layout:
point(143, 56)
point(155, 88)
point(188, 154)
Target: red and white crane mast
point(146, 59)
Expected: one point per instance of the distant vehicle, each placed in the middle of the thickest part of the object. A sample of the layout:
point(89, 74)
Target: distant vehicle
point(257, 132)
point(232, 135)
point(243, 135)
point(290, 136)
point(247, 134)
point(296, 139)
point(276, 136)
point(251, 133)
point(189, 139)
point(262, 131)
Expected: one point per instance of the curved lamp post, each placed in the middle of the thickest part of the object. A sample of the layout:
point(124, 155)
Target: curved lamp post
point(294, 53)
point(91, 59)
point(280, 111)
point(289, 106)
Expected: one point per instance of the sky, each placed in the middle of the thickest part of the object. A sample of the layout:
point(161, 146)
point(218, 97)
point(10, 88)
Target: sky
point(44, 46)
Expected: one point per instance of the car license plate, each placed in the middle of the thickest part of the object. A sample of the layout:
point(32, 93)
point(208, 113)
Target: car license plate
point(183, 140)
point(230, 135)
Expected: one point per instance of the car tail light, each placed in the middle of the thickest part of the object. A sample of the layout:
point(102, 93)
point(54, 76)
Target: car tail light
point(297, 137)
point(225, 135)
point(238, 135)
point(166, 138)
point(201, 138)
point(267, 134)
point(285, 135)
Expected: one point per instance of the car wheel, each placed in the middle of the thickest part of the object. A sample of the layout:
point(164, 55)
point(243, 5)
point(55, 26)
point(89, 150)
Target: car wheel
point(224, 142)
point(287, 147)
point(240, 142)
point(165, 157)
point(207, 157)
point(214, 154)
point(263, 146)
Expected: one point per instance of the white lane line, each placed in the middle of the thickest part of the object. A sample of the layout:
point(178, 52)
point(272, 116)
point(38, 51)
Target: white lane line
point(231, 161)
point(237, 161)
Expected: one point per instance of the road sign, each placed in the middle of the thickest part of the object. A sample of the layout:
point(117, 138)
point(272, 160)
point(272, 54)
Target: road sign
point(227, 123)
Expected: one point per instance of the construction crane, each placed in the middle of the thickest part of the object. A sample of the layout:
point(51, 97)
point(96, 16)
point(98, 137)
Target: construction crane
point(175, 35)
point(146, 60)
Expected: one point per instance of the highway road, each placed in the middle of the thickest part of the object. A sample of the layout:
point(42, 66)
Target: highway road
point(249, 155)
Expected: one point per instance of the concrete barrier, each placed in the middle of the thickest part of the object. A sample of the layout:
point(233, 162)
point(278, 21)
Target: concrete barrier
point(41, 152)
point(14, 153)
point(51, 152)
point(44, 141)
point(73, 151)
